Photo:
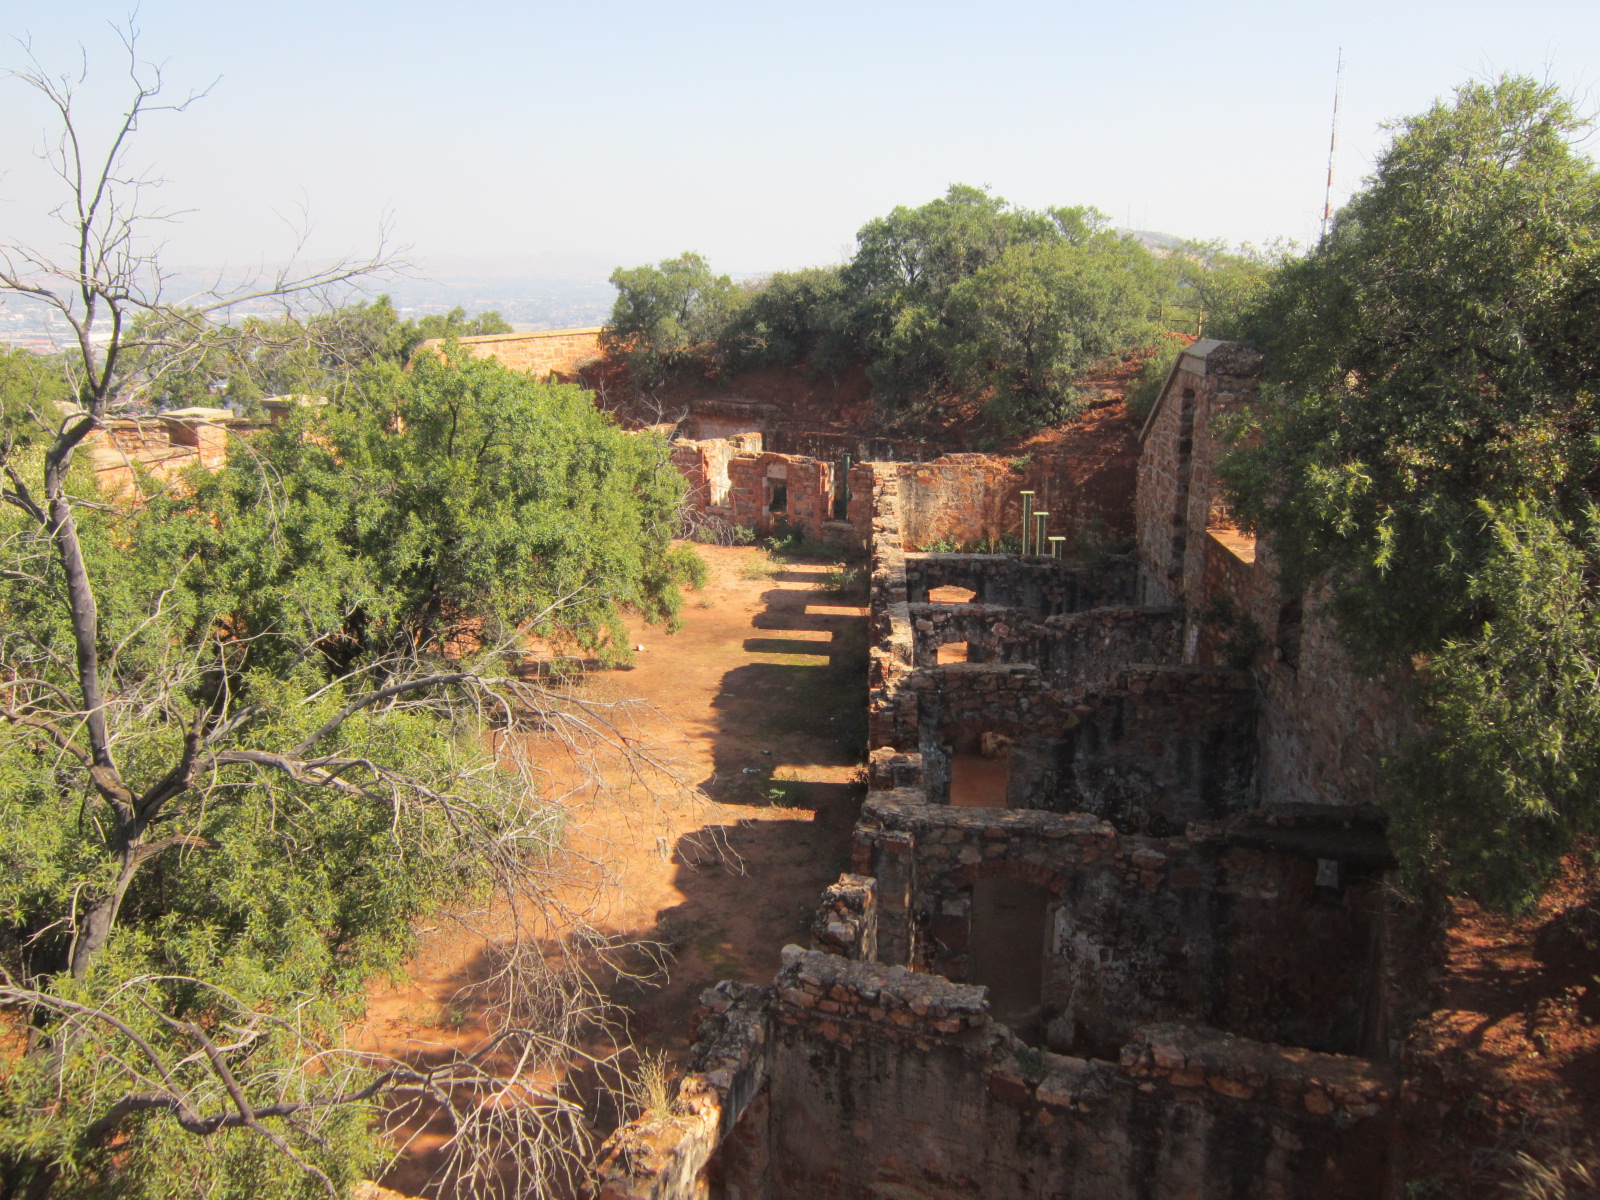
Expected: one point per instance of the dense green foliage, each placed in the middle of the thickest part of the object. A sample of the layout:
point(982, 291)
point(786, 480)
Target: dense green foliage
point(663, 313)
point(1433, 450)
point(424, 512)
point(459, 492)
point(28, 383)
point(965, 295)
point(190, 360)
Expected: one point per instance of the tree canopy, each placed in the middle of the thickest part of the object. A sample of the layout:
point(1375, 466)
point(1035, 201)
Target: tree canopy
point(1432, 449)
point(184, 357)
point(966, 293)
point(665, 311)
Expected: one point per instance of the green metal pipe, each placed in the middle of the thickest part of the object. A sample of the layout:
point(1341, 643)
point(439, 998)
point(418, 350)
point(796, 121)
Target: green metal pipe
point(1038, 531)
point(1027, 517)
point(1055, 546)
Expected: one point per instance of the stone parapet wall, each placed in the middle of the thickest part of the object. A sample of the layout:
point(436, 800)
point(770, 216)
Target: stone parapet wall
point(541, 353)
point(163, 446)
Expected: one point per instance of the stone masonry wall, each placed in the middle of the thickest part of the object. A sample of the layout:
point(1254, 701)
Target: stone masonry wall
point(1045, 586)
point(1072, 650)
point(884, 1083)
point(1324, 724)
point(1225, 926)
point(973, 498)
point(741, 475)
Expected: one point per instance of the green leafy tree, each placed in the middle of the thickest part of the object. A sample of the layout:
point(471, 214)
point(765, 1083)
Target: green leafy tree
point(32, 388)
point(907, 264)
point(1217, 287)
point(794, 317)
point(1432, 448)
point(664, 313)
point(468, 500)
point(187, 358)
point(1023, 327)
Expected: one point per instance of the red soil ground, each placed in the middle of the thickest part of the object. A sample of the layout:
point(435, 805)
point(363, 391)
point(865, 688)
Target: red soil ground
point(761, 698)
point(1507, 1063)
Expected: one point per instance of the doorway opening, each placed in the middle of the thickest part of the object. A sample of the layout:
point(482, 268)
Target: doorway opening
point(1009, 926)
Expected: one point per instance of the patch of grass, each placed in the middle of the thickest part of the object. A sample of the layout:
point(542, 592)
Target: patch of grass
point(759, 566)
point(789, 791)
point(451, 1016)
point(1031, 1062)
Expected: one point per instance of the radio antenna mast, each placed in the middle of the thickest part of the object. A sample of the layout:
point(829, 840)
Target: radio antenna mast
point(1333, 149)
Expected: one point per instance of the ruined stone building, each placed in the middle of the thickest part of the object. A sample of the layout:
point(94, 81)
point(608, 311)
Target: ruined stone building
point(1117, 924)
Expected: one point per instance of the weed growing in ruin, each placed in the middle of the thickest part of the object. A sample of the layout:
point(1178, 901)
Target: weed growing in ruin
point(653, 1086)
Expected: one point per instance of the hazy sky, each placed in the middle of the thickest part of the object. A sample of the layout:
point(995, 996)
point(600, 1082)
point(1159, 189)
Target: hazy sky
point(761, 134)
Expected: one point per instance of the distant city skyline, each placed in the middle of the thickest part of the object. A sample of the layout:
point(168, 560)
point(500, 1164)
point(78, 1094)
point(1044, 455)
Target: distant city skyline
point(760, 136)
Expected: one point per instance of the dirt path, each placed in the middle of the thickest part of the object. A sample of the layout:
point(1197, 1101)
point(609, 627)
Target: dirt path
point(761, 698)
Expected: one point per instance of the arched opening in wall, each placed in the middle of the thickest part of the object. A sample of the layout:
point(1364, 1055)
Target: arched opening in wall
point(951, 594)
point(1009, 929)
point(980, 771)
point(839, 510)
point(953, 652)
point(777, 496)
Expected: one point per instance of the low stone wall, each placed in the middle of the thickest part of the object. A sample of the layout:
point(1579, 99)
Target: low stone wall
point(886, 1083)
point(846, 923)
point(1226, 926)
point(663, 1156)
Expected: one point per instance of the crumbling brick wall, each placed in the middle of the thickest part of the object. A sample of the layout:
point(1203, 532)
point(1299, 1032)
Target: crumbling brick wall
point(972, 498)
point(734, 480)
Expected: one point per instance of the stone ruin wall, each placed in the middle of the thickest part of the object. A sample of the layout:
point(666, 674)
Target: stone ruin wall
point(1223, 926)
point(1219, 971)
point(1325, 724)
point(849, 1079)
